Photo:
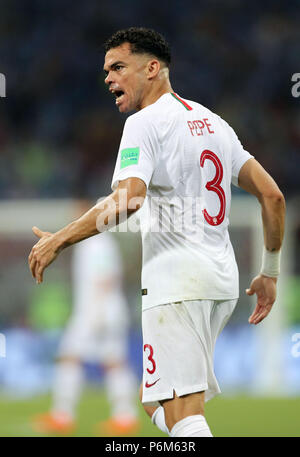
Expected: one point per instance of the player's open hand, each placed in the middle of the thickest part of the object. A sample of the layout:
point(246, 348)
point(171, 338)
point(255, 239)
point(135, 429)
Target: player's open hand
point(265, 289)
point(42, 254)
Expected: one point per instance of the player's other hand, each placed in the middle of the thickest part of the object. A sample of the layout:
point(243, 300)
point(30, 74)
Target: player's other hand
point(42, 254)
point(265, 290)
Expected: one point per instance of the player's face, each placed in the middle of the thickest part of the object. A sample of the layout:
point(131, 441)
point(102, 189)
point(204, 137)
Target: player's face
point(126, 77)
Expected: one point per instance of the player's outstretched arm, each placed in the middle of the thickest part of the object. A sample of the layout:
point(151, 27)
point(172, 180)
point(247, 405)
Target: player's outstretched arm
point(124, 201)
point(255, 180)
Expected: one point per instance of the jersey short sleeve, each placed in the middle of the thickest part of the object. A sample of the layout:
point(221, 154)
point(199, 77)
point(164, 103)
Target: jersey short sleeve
point(138, 150)
point(239, 155)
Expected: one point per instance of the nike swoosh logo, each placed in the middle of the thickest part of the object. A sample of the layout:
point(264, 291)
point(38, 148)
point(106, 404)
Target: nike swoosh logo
point(152, 384)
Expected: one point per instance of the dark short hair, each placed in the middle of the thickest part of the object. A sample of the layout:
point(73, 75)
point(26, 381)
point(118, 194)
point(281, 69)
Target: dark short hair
point(142, 41)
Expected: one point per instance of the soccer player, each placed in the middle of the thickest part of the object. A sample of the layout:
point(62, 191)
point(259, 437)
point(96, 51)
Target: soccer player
point(176, 162)
point(97, 332)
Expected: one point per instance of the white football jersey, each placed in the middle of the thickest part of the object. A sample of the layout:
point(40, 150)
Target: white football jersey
point(188, 157)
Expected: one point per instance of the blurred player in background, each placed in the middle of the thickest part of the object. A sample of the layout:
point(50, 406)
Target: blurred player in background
point(177, 160)
point(97, 332)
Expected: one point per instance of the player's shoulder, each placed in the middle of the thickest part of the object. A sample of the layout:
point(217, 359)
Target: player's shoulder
point(143, 121)
point(148, 114)
point(179, 105)
point(137, 122)
point(169, 109)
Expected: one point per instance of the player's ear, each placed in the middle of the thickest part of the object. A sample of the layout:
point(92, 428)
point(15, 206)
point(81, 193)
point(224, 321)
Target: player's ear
point(153, 67)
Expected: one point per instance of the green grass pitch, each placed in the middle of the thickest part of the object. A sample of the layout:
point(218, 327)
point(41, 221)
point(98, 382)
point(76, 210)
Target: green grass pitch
point(227, 416)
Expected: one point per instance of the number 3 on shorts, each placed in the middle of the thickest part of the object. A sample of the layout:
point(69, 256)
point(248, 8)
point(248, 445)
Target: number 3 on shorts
point(150, 358)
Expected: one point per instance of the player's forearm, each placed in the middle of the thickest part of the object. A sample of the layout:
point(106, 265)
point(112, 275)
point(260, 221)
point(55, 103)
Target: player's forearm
point(80, 229)
point(106, 214)
point(254, 179)
point(273, 217)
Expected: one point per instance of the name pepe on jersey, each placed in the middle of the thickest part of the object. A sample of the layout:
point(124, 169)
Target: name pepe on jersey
point(196, 127)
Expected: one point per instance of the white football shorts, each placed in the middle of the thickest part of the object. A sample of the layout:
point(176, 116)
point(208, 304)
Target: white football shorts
point(178, 347)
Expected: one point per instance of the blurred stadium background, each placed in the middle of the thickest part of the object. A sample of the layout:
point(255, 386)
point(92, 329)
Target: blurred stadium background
point(59, 135)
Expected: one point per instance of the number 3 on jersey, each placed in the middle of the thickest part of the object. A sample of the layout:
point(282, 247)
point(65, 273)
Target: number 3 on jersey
point(150, 358)
point(214, 186)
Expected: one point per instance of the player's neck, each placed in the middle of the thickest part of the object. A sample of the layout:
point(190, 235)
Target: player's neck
point(155, 93)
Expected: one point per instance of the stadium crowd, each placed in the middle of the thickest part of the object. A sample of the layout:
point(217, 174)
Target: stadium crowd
point(59, 129)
